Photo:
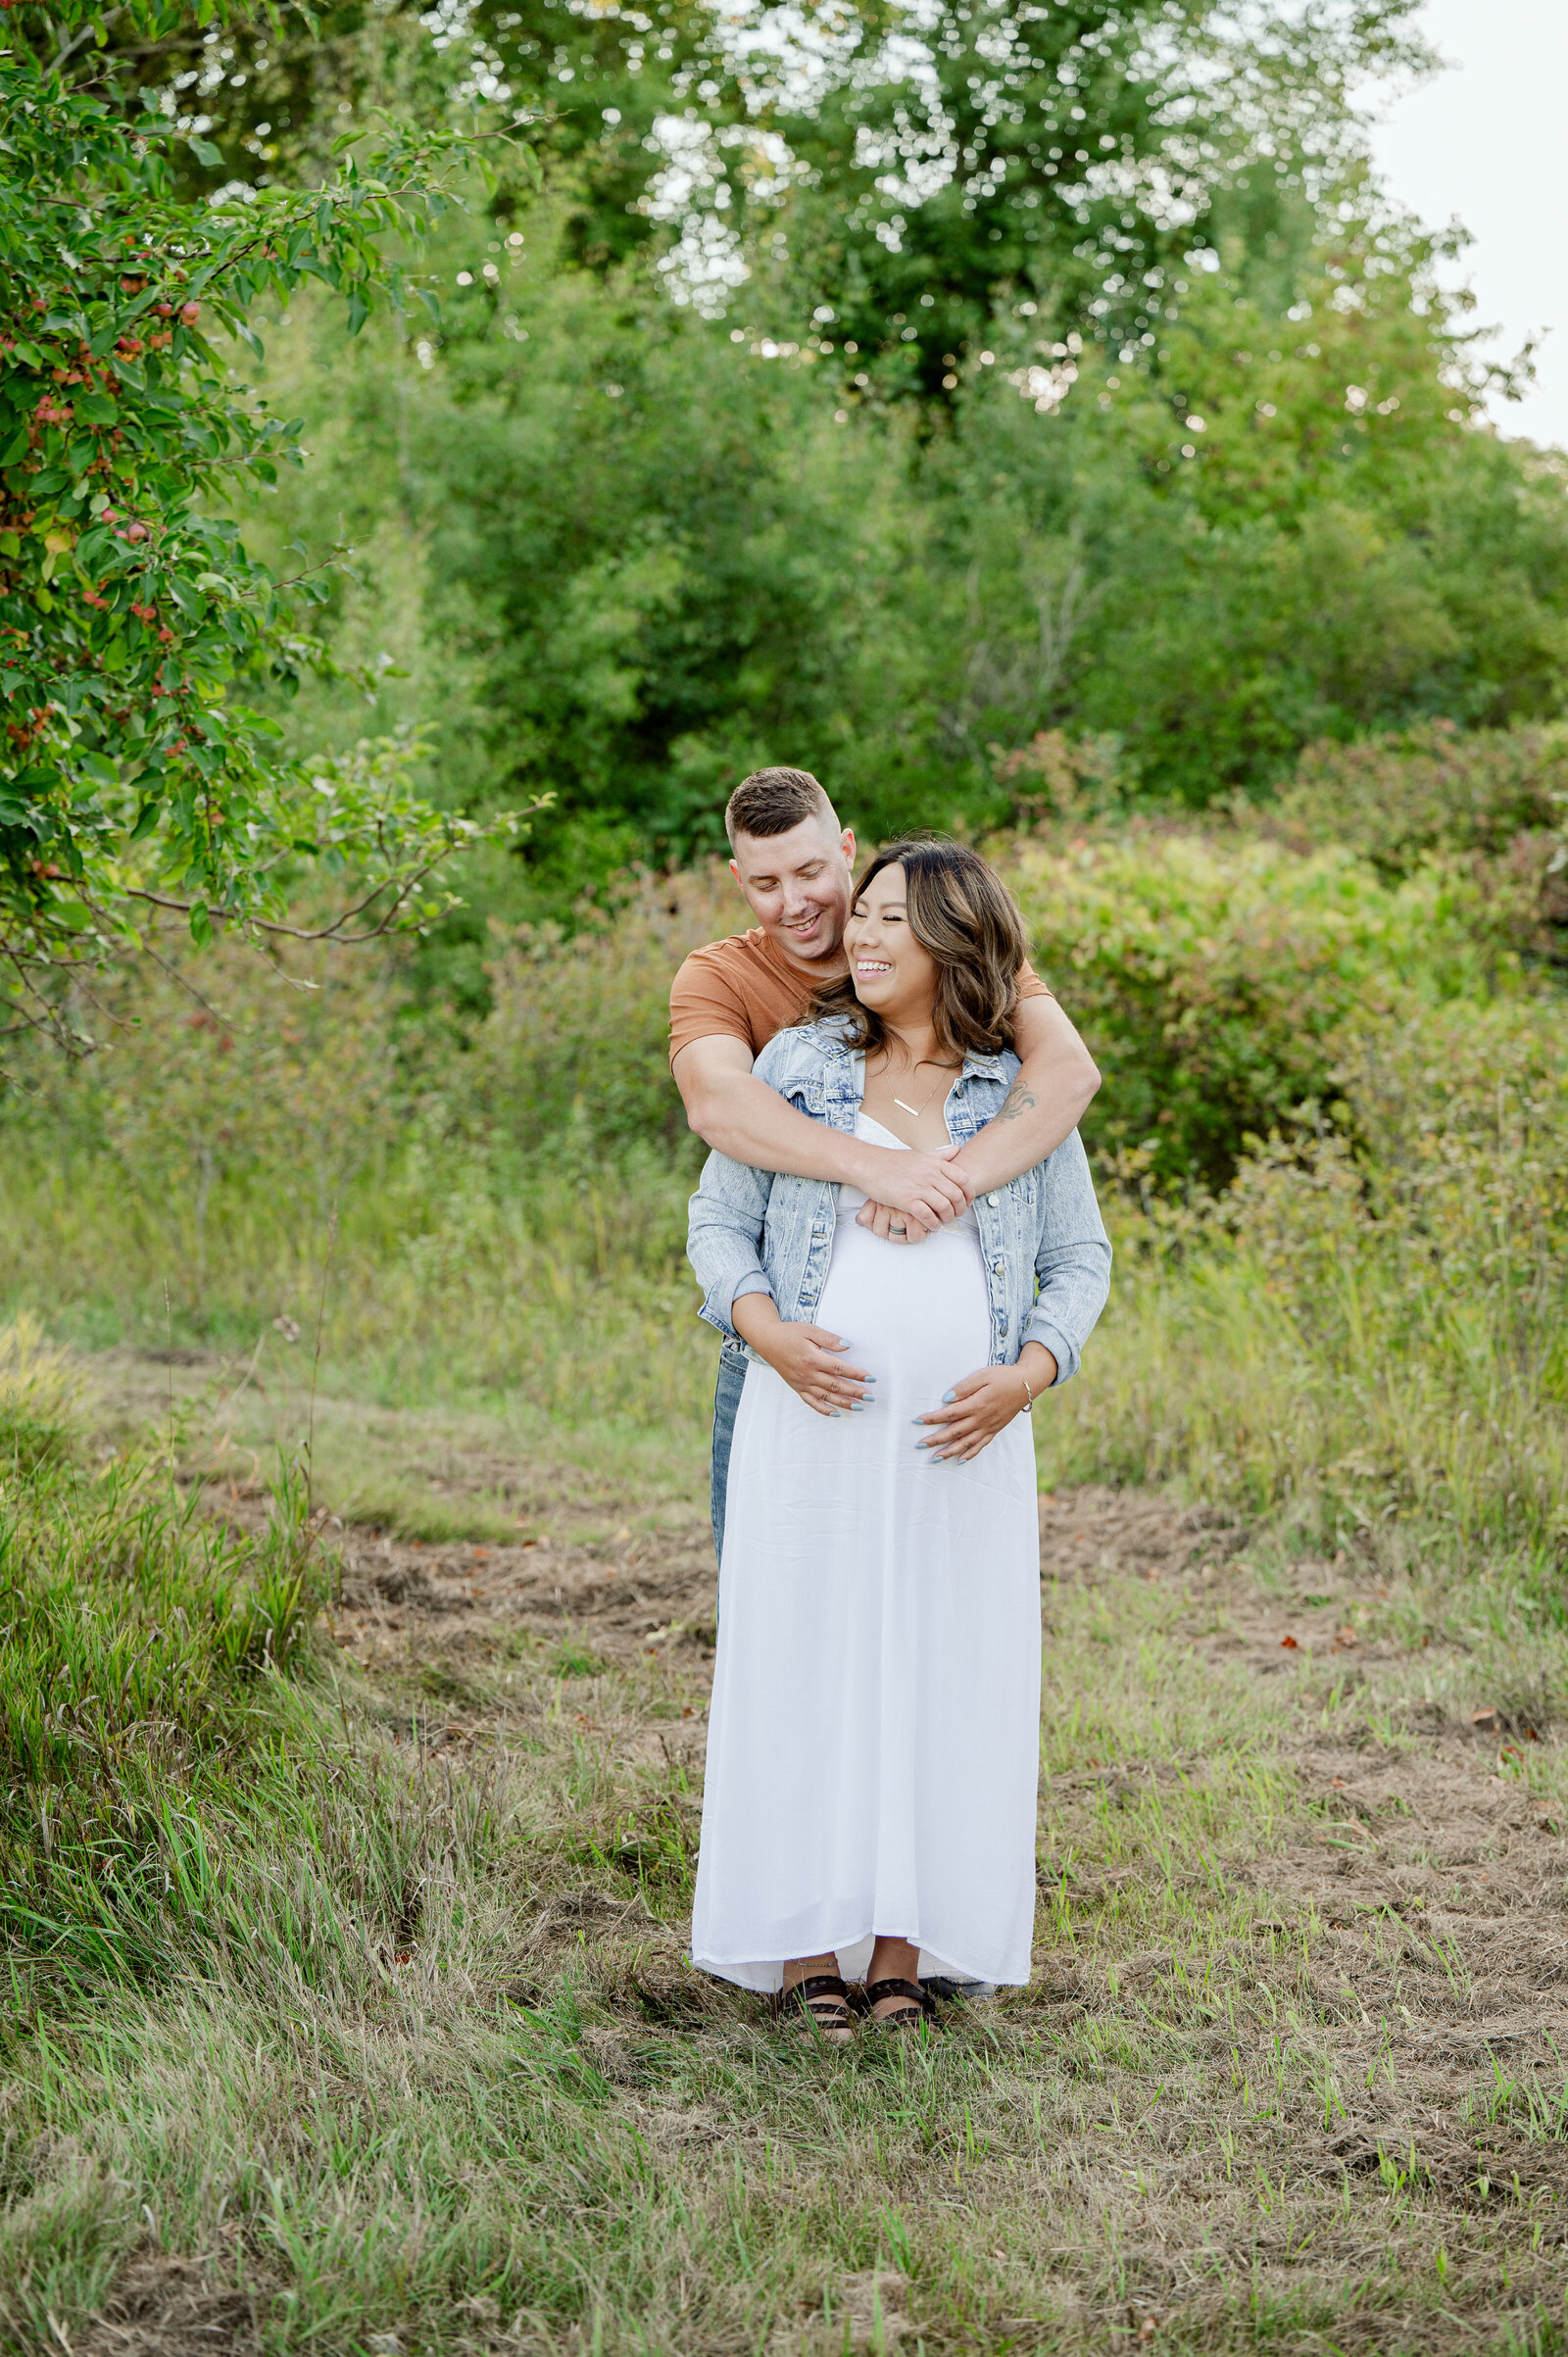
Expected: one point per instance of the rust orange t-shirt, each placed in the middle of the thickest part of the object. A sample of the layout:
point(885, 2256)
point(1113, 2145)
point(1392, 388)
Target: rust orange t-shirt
point(744, 989)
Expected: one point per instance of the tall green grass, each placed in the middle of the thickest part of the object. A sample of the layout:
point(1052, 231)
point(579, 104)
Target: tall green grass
point(145, 1673)
point(560, 1284)
point(1362, 1338)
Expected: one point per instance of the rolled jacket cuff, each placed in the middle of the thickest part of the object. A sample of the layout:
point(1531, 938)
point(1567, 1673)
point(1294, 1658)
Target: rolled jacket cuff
point(1063, 1349)
point(721, 1311)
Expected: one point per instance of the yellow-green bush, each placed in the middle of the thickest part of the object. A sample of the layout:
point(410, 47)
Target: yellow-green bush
point(1394, 799)
point(1213, 973)
point(577, 1038)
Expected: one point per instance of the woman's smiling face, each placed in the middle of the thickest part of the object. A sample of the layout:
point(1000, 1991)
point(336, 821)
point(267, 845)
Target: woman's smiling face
point(892, 972)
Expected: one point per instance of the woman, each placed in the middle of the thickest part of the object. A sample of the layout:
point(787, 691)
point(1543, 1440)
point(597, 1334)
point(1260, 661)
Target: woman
point(873, 1742)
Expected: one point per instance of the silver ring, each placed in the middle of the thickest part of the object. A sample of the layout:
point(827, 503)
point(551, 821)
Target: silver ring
point(896, 1227)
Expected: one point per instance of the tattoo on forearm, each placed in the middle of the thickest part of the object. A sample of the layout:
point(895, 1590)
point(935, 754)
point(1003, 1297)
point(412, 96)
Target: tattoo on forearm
point(1018, 1099)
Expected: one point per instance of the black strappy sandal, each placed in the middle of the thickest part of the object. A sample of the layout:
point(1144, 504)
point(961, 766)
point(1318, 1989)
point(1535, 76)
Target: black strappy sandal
point(820, 2005)
point(904, 2020)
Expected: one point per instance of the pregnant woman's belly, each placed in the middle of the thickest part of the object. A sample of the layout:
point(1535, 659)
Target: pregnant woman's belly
point(916, 1316)
point(860, 1487)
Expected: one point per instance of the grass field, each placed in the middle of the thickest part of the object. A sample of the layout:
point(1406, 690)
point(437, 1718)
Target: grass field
point(355, 1630)
point(407, 2057)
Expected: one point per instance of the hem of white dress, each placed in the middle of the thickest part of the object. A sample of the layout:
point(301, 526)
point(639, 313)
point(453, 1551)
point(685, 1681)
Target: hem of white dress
point(766, 1979)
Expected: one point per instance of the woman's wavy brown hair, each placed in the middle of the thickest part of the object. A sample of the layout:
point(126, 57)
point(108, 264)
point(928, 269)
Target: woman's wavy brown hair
point(963, 915)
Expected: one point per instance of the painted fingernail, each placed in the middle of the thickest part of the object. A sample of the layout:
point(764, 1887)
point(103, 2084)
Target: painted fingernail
point(917, 1420)
point(948, 1398)
point(857, 1408)
point(835, 1412)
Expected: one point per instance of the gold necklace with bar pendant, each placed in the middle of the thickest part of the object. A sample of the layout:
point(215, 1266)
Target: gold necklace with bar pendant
point(916, 1111)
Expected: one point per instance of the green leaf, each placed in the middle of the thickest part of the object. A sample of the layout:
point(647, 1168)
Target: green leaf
point(359, 310)
point(201, 925)
point(206, 153)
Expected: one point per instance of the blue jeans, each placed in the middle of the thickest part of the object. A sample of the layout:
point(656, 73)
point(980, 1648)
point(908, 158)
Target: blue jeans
point(727, 1406)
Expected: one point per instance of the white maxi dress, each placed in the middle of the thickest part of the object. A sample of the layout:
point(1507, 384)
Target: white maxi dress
point(874, 1743)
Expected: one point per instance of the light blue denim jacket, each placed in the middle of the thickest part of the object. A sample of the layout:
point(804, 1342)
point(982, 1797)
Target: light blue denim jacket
point(1046, 1253)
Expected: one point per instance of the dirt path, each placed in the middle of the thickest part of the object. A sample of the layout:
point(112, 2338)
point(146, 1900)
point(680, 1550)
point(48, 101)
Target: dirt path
point(1291, 2070)
point(1426, 1825)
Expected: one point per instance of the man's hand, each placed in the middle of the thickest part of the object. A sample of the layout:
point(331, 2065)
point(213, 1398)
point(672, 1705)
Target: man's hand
point(912, 1185)
point(807, 1356)
point(976, 1409)
point(937, 1183)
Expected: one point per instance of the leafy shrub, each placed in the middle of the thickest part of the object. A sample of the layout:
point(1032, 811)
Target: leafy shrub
point(1211, 974)
point(1393, 798)
point(1496, 800)
point(579, 1033)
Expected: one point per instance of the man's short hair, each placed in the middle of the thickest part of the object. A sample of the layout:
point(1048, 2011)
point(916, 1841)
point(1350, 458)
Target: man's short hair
point(772, 801)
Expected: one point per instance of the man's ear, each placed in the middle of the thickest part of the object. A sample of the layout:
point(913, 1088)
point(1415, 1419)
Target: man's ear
point(847, 846)
point(734, 870)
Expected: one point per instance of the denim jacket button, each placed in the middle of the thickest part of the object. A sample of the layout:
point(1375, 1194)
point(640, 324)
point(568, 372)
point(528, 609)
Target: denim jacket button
point(993, 1199)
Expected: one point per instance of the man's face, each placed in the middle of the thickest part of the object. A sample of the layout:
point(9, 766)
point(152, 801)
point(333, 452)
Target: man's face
point(797, 887)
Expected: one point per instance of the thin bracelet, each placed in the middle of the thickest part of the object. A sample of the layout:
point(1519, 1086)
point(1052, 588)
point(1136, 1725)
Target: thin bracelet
point(1027, 1393)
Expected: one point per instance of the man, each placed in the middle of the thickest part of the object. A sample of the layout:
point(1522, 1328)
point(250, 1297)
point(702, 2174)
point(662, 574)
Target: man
point(794, 866)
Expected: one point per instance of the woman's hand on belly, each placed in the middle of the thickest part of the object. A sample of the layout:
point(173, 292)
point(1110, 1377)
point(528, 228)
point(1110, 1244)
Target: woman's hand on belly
point(976, 1409)
point(807, 1356)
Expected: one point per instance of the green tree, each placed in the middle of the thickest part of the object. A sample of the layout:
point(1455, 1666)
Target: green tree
point(1287, 525)
point(1079, 155)
point(644, 558)
point(897, 171)
point(130, 774)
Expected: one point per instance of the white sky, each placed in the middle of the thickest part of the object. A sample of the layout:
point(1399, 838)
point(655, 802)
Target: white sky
point(1486, 140)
